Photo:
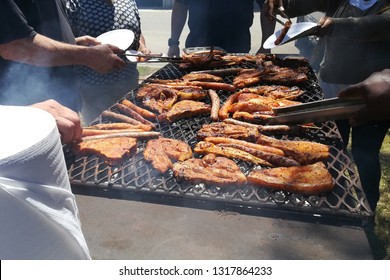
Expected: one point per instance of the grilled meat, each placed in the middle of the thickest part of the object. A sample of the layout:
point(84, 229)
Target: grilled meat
point(247, 77)
point(112, 150)
point(304, 152)
point(283, 75)
point(160, 100)
point(203, 77)
point(117, 126)
point(143, 112)
point(215, 104)
point(205, 148)
point(275, 91)
point(272, 155)
point(211, 170)
point(122, 118)
point(162, 151)
point(307, 180)
point(283, 32)
point(185, 109)
point(222, 129)
point(224, 111)
point(133, 114)
point(258, 147)
point(191, 93)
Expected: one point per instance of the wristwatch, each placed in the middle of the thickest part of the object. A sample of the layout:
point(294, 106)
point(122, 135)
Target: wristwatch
point(172, 42)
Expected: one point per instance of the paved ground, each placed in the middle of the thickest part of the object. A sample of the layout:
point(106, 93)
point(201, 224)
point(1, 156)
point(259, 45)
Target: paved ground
point(133, 227)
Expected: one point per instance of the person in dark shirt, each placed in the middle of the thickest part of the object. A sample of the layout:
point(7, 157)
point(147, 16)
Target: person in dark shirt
point(356, 40)
point(225, 24)
point(38, 52)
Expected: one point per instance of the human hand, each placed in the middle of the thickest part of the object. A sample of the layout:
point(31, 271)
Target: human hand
point(270, 6)
point(174, 51)
point(87, 41)
point(376, 92)
point(104, 58)
point(145, 50)
point(326, 24)
point(68, 121)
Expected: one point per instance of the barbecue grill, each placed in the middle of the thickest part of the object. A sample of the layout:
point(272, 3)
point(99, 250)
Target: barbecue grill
point(346, 203)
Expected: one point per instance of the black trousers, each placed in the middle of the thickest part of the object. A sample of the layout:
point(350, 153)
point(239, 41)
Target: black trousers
point(366, 144)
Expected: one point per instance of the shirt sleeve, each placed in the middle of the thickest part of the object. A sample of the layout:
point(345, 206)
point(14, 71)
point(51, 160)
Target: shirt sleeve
point(13, 23)
point(372, 28)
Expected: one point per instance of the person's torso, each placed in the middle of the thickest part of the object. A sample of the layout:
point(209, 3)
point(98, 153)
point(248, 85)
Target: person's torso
point(95, 17)
point(23, 84)
point(220, 23)
point(349, 60)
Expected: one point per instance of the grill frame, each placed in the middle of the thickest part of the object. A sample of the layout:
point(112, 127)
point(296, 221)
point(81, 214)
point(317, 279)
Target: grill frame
point(347, 203)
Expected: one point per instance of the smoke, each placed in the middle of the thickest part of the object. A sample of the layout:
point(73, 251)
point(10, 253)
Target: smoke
point(23, 84)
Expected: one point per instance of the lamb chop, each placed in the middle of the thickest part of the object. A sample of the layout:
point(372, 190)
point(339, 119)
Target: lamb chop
point(162, 151)
point(311, 179)
point(211, 170)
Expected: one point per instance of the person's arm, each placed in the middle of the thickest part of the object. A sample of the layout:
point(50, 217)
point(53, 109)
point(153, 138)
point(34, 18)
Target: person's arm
point(267, 29)
point(376, 92)
point(68, 121)
point(178, 20)
point(43, 51)
point(368, 28)
point(142, 45)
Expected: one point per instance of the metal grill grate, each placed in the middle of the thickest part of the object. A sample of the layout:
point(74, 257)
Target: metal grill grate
point(136, 175)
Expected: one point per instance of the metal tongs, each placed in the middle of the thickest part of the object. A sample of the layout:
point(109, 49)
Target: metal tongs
point(282, 12)
point(317, 111)
point(157, 57)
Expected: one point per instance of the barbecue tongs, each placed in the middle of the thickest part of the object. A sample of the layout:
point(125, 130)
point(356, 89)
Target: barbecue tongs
point(158, 57)
point(317, 111)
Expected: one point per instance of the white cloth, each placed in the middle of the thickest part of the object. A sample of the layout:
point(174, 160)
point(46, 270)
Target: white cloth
point(39, 218)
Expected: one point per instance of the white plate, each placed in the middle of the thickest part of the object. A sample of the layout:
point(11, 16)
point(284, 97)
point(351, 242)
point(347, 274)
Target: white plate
point(297, 30)
point(122, 38)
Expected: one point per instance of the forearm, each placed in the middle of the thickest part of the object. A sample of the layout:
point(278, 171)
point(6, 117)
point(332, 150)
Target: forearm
point(296, 8)
point(368, 28)
point(178, 19)
point(42, 51)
